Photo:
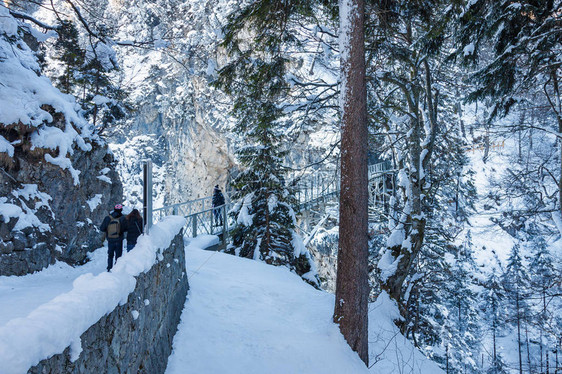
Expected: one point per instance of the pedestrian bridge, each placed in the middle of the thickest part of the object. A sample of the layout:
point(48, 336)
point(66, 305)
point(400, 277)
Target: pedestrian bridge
point(311, 190)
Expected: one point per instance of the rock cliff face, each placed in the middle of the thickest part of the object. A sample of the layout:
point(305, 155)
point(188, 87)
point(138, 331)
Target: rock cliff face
point(137, 336)
point(175, 104)
point(63, 217)
point(57, 179)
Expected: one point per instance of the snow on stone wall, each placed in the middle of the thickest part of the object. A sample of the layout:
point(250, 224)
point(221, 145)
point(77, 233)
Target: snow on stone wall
point(123, 321)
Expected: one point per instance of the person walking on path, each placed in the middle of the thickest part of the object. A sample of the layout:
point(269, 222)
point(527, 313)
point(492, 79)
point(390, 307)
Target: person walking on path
point(114, 226)
point(134, 228)
point(218, 201)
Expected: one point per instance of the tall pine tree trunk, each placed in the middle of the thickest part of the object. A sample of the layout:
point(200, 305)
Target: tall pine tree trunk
point(352, 288)
point(519, 333)
point(557, 107)
point(495, 352)
point(528, 351)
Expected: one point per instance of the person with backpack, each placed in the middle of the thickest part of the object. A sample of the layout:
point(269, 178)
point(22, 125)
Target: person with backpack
point(114, 227)
point(218, 201)
point(134, 228)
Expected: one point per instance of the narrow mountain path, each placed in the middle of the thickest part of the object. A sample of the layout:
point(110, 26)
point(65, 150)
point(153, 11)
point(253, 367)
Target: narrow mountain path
point(243, 316)
point(19, 296)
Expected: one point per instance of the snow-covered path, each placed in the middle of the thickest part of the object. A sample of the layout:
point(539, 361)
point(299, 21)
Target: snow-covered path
point(243, 316)
point(247, 317)
point(21, 295)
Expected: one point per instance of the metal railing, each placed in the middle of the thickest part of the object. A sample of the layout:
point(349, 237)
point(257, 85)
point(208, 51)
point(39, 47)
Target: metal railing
point(379, 168)
point(201, 217)
point(310, 190)
point(316, 189)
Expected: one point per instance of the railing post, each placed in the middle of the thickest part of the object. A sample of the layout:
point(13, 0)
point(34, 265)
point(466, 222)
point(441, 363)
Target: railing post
point(147, 195)
point(194, 225)
point(225, 225)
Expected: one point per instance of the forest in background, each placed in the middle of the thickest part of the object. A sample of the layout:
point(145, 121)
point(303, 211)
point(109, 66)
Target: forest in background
point(456, 91)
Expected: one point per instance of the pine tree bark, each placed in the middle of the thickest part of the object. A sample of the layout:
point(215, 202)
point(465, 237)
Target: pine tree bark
point(352, 288)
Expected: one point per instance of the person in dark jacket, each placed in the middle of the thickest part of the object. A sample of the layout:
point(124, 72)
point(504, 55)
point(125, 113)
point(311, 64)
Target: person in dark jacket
point(134, 228)
point(218, 201)
point(114, 227)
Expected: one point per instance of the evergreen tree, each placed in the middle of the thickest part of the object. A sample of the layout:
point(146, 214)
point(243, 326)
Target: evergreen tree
point(515, 283)
point(89, 74)
point(444, 319)
point(265, 217)
point(521, 41)
point(103, 101)
point(67, 50)
point(255, 78)
point(494, 313)
point(463, 317)
point(542, 279)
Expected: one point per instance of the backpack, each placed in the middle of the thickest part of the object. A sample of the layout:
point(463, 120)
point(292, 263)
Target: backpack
point(113, 228)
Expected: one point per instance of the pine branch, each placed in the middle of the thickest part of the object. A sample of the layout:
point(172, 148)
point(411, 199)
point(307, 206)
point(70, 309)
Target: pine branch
point(27, 17)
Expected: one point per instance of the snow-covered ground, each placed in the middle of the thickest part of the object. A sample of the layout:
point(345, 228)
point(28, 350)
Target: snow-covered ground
point(243, 316)
point(43, 313)
point(21, 295)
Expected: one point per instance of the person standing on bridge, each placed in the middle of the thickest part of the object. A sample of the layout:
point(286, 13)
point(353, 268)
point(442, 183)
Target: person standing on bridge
point(218, 202)
point(114, 226)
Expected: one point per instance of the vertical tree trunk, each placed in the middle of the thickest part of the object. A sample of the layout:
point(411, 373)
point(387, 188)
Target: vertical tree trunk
point(519, 334)
point(557, 106)
point(543, 295)
point(528, 351)
point(495, 357)
point(447, 358)
point(557, 363)
point(459, 113)
point(520, 156)
point(352, 288)
point(541, 352)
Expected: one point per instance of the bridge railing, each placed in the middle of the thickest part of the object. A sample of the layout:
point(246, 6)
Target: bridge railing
point(318, 188)
point(184, 209)
point(379, 168)
point(201, 217)
point(310, 190)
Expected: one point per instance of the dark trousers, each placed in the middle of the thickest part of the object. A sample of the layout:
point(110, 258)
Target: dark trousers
point(218, 216)
point(114, 247)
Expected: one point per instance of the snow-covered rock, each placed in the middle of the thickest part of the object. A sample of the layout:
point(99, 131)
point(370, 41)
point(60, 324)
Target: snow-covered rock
point(50, 158)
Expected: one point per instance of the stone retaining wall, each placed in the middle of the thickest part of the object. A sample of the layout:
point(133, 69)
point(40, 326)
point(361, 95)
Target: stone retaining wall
point(137, 336)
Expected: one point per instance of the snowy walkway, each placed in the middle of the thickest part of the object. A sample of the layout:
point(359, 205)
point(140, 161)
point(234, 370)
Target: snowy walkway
point(19, 296)
point(243, 316)
point(41, 314)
